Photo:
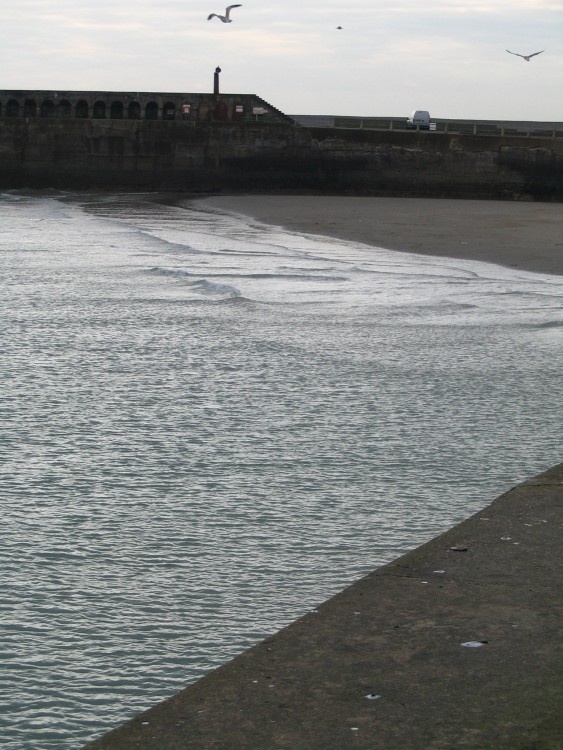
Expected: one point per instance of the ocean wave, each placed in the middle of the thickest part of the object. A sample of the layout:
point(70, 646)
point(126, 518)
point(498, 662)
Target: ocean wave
point(534, 294)
point(284, 276)
point(203, 285)
point(11, 197)
point(175, 272)
point(213, 287)
point(182, 247)
point(546, 324)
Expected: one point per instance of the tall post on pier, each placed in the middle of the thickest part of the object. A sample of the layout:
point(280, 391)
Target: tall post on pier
point(216, 81)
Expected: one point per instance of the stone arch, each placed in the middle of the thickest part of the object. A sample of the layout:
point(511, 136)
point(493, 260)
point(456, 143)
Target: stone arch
point(99, 111)
point(64, 108)
point(151, 111)
point(134, 111)
point(116, 111)
point(169, 111)
point(221, 111)
point(47, 108)
point(30, 108)
point(82, 109)
point(12, 108)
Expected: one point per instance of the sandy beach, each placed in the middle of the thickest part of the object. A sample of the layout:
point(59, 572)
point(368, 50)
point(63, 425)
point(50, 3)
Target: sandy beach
point(528, 236)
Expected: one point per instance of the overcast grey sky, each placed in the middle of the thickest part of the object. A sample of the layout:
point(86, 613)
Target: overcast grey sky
point(447, 56)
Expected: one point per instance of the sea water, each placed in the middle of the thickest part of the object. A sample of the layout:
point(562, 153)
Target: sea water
point(209, 426)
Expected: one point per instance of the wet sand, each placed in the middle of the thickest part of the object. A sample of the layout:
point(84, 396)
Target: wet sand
point(528, 236)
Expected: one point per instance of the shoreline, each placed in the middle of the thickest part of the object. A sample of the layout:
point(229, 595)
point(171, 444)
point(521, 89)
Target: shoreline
point(519, 235)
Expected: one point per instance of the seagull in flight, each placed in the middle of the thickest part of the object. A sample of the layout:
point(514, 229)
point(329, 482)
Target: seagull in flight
point(526, 57)
point(226, 17)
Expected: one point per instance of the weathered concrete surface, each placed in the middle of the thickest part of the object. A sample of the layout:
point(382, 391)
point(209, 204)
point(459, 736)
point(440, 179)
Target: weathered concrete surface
point(398, 634)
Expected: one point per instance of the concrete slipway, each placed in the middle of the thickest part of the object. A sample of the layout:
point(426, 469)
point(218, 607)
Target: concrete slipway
point(383, 664)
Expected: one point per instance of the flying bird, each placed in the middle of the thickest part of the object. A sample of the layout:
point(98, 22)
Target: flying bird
point(226, 17)
point(526, 57)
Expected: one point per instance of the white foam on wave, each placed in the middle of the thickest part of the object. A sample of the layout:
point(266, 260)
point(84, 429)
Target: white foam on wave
point(204, 285)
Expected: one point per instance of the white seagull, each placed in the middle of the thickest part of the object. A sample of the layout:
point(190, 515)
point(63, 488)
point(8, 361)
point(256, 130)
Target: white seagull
point(225, 18)
point(526, 57)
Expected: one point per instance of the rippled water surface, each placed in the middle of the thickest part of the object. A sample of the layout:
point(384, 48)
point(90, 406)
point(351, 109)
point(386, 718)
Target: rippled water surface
point(209, 426)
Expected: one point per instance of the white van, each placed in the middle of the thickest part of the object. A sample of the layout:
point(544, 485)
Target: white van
point(419, 118)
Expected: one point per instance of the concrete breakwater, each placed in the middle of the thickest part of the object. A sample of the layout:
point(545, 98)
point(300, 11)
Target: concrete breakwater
point(456, 644)
point(207, 143)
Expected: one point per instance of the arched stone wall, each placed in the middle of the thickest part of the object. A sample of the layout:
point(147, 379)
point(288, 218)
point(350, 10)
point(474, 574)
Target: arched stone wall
point(181, 107)
point(30, 108)
point(99, 111)
point(47, 108)
point(151, 111)
point(82, 109)
point(169, 111)
point(63, 108)
point(134, 111)
point(12, 108)
point(116, 111)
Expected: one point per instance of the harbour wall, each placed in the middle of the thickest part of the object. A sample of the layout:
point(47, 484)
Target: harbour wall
point(208, 143)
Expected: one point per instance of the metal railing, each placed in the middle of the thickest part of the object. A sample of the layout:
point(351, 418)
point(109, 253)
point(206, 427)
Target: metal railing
point(438, 126)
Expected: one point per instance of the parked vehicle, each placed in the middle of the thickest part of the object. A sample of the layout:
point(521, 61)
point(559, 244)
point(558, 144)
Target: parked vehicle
point(420, 119)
